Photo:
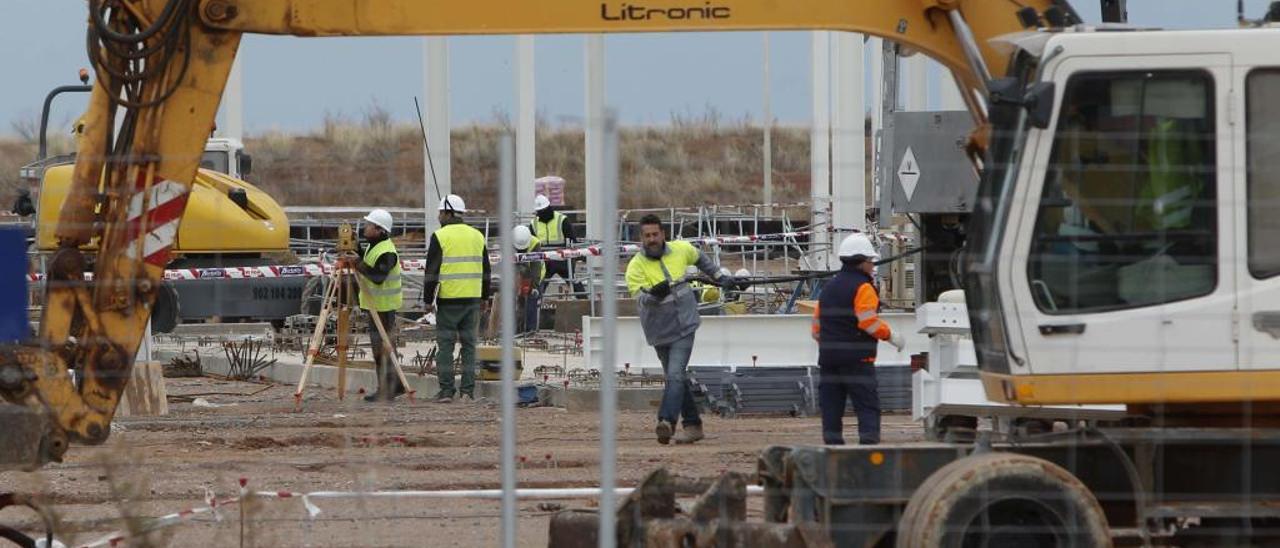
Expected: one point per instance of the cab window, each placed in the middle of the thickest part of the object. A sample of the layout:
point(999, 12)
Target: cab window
point(1127, 214)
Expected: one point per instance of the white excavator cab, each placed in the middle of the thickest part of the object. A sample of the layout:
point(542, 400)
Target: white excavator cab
point(1131, 242)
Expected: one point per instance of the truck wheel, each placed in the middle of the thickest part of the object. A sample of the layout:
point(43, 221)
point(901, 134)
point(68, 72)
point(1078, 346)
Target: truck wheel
point(165, 311)
point(1002, 499)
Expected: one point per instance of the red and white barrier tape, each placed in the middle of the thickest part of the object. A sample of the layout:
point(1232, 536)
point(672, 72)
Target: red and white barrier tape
point(212, 504)
point(417, 265)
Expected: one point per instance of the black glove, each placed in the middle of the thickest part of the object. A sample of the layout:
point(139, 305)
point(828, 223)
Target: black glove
point(661, 289)
point(728, 282)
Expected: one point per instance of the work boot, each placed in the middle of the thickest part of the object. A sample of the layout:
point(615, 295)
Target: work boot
point(691, 433)
point(372, 397)
point(443, 397)
point(465, 397)
point(663, 430)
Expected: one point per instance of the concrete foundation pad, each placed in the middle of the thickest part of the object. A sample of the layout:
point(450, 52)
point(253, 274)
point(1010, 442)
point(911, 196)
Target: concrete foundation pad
point(326, 376)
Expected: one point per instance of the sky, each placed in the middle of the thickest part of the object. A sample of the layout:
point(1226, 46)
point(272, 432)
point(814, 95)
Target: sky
point(291, 84)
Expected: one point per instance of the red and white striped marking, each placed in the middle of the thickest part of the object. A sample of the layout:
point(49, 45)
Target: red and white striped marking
point(309, 270)
point(161, 208)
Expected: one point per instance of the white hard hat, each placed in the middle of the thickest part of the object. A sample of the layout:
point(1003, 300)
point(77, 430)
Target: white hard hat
point(858, 244)
point(454, 203)
point(540, 202)
point(725, 272)
point(742, 273)
point(380, 217)
point(521, 237)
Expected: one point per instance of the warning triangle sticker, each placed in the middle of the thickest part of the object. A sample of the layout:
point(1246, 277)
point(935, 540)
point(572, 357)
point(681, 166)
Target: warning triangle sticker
point(909, 173)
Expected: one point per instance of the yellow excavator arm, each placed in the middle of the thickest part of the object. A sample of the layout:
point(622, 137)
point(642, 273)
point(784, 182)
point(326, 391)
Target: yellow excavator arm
point(161, 67)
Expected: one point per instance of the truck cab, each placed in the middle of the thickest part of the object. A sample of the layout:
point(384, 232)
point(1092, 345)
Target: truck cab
point(226, 155)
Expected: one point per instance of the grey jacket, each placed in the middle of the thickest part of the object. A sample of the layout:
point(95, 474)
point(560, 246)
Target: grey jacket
point(674, 317)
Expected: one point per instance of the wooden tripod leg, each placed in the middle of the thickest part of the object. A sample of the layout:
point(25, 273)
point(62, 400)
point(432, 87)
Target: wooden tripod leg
point(317, 339)
point(387, 346)
point(344, 325)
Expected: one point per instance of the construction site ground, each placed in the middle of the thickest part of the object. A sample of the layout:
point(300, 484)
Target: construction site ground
point(154, 466)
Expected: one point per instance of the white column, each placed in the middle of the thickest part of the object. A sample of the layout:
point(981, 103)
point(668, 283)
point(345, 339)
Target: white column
point(436, 86)
point(594, 174)
point(874, 49)
point(951, 97)
point(819, 148)
point(916, 94)
point(767, 117)
point(848, 141)
point(526, 125)
point(233, 102)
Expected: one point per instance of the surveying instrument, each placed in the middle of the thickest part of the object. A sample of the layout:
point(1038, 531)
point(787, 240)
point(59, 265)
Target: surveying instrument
point(340, 294)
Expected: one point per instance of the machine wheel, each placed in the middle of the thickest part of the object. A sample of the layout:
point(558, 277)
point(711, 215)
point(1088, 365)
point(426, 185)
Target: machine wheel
point(1002, 499)
point(165, 313)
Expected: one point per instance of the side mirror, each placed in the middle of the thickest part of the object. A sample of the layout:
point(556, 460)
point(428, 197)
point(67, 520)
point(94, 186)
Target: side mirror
point(1039, 104)
point(246, 163)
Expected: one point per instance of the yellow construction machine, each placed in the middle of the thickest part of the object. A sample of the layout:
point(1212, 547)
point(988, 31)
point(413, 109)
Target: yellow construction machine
point(1119, 251)
point(228, 222)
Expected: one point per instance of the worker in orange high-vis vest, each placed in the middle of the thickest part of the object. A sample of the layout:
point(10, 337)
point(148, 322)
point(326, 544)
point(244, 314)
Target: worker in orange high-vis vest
point(848, 328)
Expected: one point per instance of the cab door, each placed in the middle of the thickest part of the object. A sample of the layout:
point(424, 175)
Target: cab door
point(1259, 250)
point(1116, 267)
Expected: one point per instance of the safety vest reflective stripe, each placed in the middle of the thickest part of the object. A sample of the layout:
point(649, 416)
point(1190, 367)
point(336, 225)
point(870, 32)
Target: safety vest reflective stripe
point(462, 261)
point(385, 296)
point(875, 327)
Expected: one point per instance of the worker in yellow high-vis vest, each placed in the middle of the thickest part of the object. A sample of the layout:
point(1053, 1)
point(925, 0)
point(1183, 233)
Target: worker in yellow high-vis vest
point(380, 294)
point(658, 278)
point(456, 285)
point(554, 231)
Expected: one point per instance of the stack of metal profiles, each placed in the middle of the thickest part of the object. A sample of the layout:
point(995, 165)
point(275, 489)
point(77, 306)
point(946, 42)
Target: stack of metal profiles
point(894, 387)
point(783, 390)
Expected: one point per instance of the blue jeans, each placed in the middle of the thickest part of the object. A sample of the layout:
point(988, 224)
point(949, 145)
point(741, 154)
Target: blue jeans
point(529, 323)
point(677, 397)
point(836, 386)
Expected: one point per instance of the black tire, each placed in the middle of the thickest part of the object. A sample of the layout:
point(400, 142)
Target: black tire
point(166, 312)
point(1002, 499)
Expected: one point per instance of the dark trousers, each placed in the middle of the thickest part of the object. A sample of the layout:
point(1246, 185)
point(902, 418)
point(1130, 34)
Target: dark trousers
point(527, 316)
point(388, 380)
point(560, 268)
point(838, 384)
point(677, 396)
point(457, 324)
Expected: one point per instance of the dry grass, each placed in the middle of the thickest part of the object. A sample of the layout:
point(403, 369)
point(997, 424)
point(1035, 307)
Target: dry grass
point(694, 161)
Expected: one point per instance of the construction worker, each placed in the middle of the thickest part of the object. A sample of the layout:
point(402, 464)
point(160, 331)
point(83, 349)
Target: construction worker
point(669, 316)
point(456, 286)
point(529, 277)
point(848, 328)
point(380, 294)
point(553, 230)
point(1174, 188)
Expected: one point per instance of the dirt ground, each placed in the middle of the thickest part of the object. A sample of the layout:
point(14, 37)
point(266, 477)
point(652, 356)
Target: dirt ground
point(155, 466)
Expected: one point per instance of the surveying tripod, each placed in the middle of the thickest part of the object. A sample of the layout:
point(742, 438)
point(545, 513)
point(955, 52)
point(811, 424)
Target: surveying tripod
point(340, 294)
